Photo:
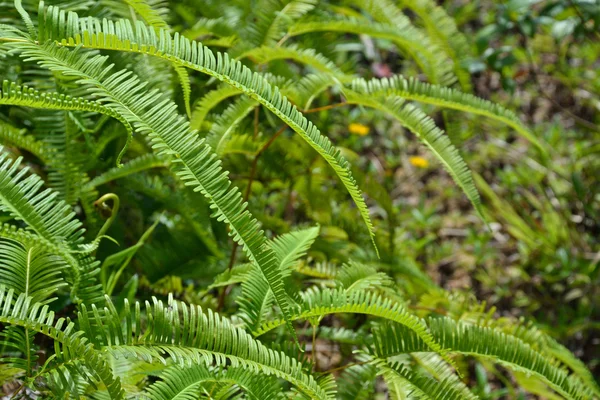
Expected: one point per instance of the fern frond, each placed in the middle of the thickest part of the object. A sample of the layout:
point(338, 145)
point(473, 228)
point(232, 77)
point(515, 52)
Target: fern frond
point(440, 27)
point(443, 30)
point(21, 196)
point(404, 382)
point(221, 131)
point(292, 246)
point(243, 144)
point(563, 354)
point(223, 27)
point(155, 19)
point(30, 270)
point(13, 94)
point(188, 335)
point(434, 138)
point(196, 164)
point(142, 163)
point(11, 136)
point(309, 87)
point(319, 303)
point(179, 50)
point(148, 13)
point(210, 101)
point(186, 89)
point(22, 312)
point(49, 223)
point(308, 57)
point(413, 89)
point(320, 270)
point(357, 383)
point(272, 17)
point(408, 39)
point(256, 299)
point(18, 349)
point(187, 382)
point(513, 353)
point(357, 276)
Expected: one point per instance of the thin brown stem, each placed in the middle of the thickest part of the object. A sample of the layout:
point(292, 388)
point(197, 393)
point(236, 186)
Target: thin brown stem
point(225, 290)
point(256, 112)
point(314, 347)
point(345, 367)
point(328, 107)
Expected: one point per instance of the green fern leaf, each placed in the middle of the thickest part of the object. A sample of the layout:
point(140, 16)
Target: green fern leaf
point(413, 89)
point(179, 50)
point(485, 342)
point(196, 164)
point(434, 138)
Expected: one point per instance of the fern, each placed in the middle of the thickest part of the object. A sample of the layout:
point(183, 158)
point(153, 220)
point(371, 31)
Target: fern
point(191, 54)
point(406, 37)
point(52, 220)
point(413, 89)
point(208, 102)
point(484, 342)
point(188, 335)
point(14, 137)
point(431, 135)
point(308, 57)
point(82, 94)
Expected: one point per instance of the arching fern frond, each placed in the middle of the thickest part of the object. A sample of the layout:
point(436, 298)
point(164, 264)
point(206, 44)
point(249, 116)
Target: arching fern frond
point(22, 312)
point(195, 162)
point(21, 196)
point(413, 89)
point(210, 101)
point(433, 137)
point(121, 36)
point(134, 166)
point(13, 94)
point(307, 57)
point(319, 303)
point(408, 39)
point(443, 30)
point(460, 337)
point(188, 382)
point(188, 335)
point(13, 137)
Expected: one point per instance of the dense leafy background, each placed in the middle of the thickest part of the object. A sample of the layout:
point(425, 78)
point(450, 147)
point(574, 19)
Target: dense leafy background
point(536, 258)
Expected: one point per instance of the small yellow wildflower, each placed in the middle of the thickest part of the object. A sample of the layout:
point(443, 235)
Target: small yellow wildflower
point(419, 162)
point(358, 129)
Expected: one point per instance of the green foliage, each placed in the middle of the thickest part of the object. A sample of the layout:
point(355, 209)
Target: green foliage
point(170, 226)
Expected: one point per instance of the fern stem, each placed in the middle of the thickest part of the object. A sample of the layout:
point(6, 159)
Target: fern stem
point(314, 347)
point(324, 108)
point(224, 291)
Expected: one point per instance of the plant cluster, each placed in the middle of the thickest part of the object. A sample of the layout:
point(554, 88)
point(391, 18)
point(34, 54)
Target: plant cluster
point(175, 224)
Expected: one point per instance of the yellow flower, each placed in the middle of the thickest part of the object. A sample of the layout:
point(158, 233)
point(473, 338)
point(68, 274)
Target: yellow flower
point(358, 129)
point(419, 162)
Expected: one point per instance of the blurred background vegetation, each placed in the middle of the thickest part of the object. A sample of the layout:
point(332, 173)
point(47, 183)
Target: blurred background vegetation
point(541, 258)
